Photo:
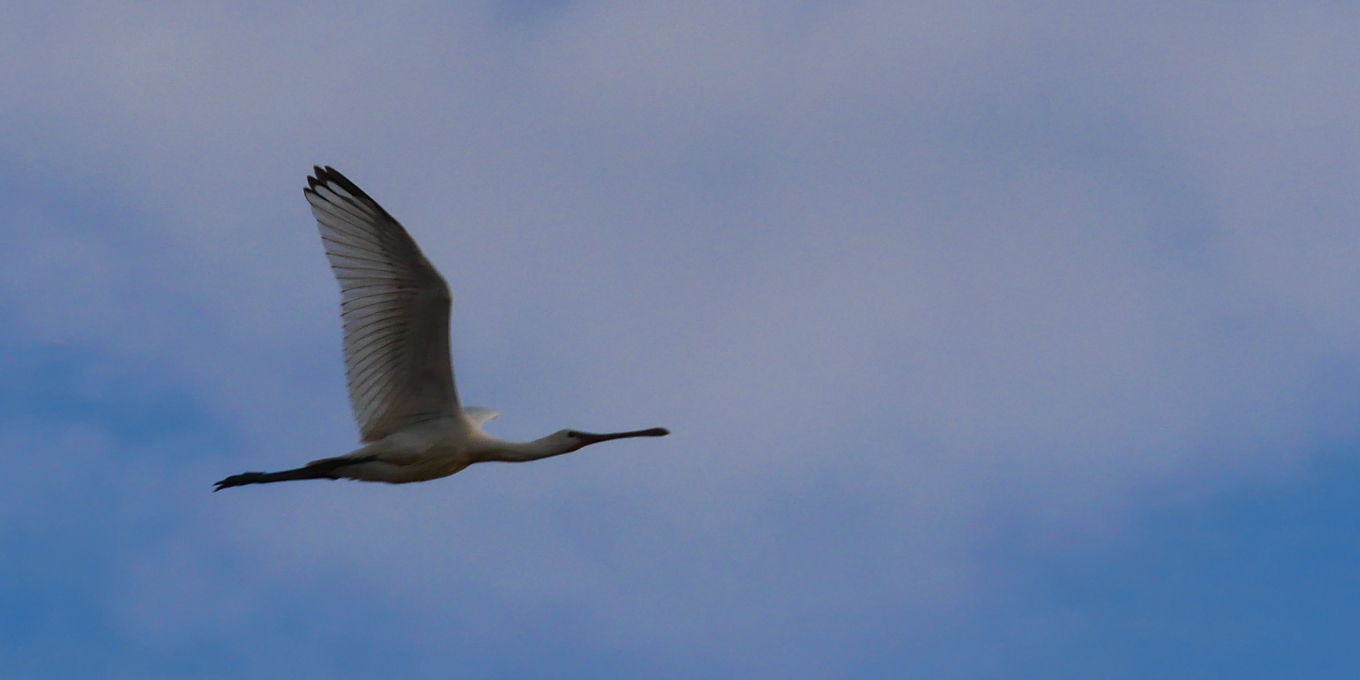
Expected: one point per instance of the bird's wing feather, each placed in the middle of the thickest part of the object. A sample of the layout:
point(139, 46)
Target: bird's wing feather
point(395, 309)
point(480, 415)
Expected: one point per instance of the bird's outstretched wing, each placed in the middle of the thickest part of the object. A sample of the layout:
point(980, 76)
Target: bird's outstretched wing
point(395, 309)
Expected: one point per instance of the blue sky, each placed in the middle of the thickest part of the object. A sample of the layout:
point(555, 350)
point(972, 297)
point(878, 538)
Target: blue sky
point(997, 339)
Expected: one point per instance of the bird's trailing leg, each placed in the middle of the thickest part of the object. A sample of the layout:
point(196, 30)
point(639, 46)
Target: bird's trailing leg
point(321, 469)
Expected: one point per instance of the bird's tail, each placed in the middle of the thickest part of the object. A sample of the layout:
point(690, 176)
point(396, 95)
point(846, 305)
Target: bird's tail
point(320, 469)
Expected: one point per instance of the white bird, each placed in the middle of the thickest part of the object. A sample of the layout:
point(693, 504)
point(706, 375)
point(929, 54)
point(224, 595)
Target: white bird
point(395, 308)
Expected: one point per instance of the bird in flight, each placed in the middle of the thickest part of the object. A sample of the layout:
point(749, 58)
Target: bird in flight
point(395, 309)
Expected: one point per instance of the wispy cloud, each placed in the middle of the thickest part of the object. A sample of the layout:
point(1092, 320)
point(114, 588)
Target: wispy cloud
point(898, 276)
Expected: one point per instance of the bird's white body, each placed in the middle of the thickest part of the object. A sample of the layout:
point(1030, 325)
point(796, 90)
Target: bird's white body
point(395, 309)
point(430, 450)
point(442, 447)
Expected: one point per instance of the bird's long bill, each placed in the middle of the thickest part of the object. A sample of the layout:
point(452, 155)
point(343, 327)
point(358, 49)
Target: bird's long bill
point(591, 438)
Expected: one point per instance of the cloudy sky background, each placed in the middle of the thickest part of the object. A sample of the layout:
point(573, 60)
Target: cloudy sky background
point(997, 339)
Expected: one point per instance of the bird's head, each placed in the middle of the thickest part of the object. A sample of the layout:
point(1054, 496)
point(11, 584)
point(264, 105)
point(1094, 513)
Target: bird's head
point(572, 440)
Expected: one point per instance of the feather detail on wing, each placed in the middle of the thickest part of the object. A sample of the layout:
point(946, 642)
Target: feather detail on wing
point(480, 415)
point(395, 309)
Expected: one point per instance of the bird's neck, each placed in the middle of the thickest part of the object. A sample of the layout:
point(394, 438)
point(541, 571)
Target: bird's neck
point(522, 452)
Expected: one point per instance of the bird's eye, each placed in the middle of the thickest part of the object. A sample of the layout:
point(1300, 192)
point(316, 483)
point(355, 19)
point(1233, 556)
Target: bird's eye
point(573, 433)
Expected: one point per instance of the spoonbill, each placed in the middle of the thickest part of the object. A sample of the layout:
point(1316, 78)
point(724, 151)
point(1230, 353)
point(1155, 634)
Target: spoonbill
point(395, 309)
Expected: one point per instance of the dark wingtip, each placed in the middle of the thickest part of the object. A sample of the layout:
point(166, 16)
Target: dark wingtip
point(333, 175)
point(322, 175)
point(658, 432)
point(329, 175)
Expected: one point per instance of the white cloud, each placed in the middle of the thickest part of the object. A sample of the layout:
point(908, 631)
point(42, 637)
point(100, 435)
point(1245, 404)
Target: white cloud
point(882, 267)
